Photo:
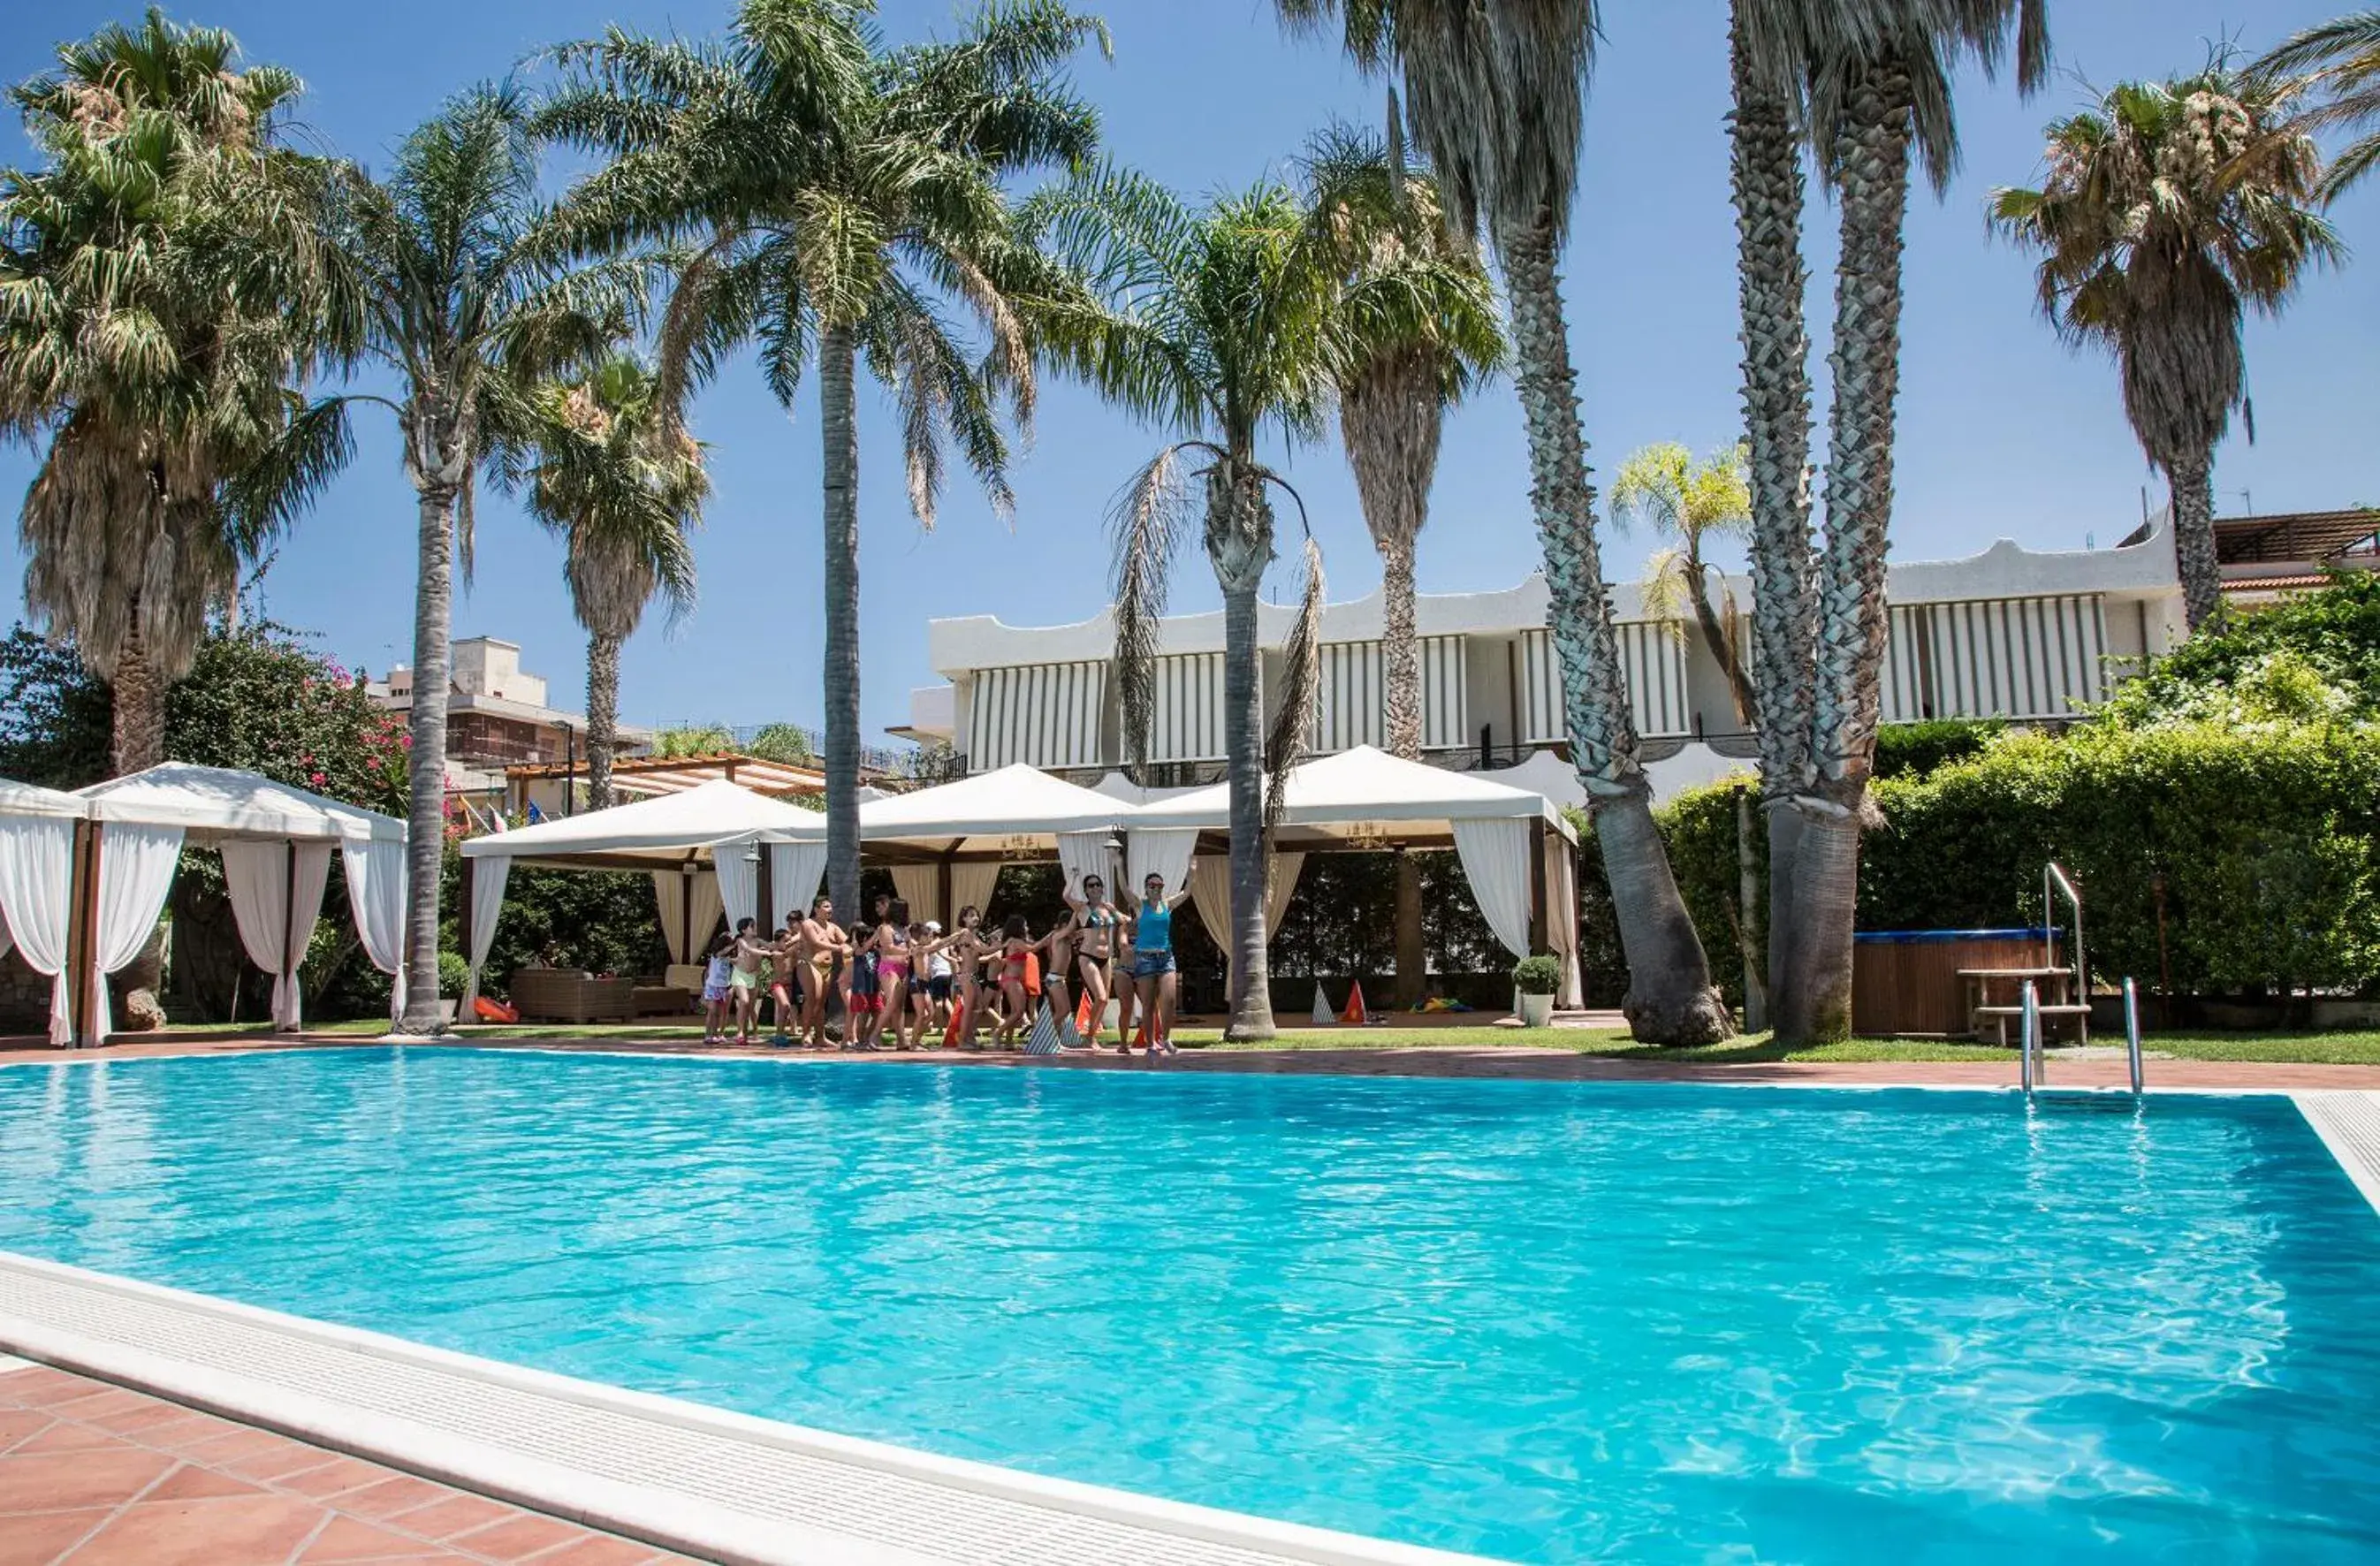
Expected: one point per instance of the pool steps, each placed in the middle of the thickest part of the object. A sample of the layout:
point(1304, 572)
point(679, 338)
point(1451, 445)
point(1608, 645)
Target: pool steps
point(726, 1487)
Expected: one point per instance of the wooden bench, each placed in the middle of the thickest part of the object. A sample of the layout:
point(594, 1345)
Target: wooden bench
point(2050, 985)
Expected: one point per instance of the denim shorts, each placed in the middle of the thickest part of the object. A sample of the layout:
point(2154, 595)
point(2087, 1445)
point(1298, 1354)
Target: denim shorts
point(1150, 965)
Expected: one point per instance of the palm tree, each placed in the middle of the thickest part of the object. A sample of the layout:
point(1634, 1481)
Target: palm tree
point(1870, 82)
point(2341, 62)
point(160, 302)
point(1221, 327)
point(842, 196)
point(1496, 98)
point(456, 260)
point(1379, 220)
point(614, 474)
point(1663, 486)
point(2166, 213)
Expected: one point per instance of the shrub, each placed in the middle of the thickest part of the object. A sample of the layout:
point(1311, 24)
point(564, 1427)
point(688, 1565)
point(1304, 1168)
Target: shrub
point(1915, 749)
point(2260, 842)
point(454, 975)
point(1540, 975)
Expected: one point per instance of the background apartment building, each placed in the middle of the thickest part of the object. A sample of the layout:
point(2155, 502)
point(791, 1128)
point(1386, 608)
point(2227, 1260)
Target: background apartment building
point(497, 717)
point(2008, 633)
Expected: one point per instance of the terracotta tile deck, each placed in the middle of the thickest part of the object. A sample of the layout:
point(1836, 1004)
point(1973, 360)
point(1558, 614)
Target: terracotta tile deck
point(1453, 1060)
point(97, 1476)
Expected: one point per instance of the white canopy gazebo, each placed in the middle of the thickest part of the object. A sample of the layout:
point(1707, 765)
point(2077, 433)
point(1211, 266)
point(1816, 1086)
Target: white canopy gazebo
point(83, 877)
point(1516, 847)
point(702, 846)
point(945, 844)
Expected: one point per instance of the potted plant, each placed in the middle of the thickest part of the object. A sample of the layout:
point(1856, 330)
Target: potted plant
point(1537, 978)
point(453, 973)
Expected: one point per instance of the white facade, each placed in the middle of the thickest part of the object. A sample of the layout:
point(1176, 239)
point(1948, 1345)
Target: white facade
point(2008, 633)
point(497, 716)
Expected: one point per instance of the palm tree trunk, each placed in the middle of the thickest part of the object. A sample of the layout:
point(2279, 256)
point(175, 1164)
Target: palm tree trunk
point(1813, 1003)
point(840, 432)
point(1239, 545)
point(138, 692)
point(1670, 999)
point(1243, 745)
point(426, 772)
point(1400, 682)
point(1771, 280)
point(1399, 649)
point(603, 717)
point(2193, 478)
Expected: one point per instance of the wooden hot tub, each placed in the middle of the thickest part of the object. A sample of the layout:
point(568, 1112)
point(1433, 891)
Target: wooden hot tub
point(1905, 983)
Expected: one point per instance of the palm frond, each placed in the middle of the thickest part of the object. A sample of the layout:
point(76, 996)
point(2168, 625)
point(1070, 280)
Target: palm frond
point(1301, 691)
point(1149, 520)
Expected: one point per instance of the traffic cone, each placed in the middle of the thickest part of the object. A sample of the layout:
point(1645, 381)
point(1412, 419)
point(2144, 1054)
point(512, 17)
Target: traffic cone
point(1082, 1014)
point(1354, 1012)
point(1142, 1040)
point(951, 1034)
point(1323, 1015)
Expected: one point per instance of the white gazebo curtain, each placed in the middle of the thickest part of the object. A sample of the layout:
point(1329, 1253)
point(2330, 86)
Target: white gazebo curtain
point(737, 866)
point(487, 905)
point(136, 870)
point(794, 871)
point(1164, 851)
point(1082, 854)
point(37, 902)
point(1495, 855)
point(1561, 917)
point(277, 899)
point(376, 897)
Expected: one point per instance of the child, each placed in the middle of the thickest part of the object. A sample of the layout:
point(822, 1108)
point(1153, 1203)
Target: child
point(781, 969)
point(863, 1002)
point(1017, 944)
point(716, 993)
point(930, 989)
point(894, 961)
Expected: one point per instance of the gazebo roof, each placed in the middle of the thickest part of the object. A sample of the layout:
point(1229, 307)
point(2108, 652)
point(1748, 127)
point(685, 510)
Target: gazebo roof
point(210, 804)
point(664, 828)
point(1365, 793)
point(30, 799)
point(1014, 803)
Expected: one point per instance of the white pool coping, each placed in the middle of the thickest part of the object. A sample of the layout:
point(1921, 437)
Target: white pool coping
point(727, 1486)
point(2347, 1121)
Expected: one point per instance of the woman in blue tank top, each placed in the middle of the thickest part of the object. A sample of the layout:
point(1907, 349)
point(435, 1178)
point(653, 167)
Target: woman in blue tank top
point(1153, 979)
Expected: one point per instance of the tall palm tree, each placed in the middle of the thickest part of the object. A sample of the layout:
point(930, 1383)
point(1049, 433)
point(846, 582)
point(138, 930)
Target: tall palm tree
point(1869, 83)
point(1379, 220)
point(611, 470)
point(1496, 98)
point(161, 302)
point(1663, 486)
point(843, 196)
point(2340, 63)
point(1221, 327)
point(455, 259)
point(2165, 214)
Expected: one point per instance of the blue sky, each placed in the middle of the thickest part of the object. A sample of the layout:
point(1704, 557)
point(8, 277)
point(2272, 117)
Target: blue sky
point(2004, 432)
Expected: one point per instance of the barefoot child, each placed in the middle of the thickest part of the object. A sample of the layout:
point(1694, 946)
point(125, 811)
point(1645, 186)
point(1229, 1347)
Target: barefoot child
point(716, 988)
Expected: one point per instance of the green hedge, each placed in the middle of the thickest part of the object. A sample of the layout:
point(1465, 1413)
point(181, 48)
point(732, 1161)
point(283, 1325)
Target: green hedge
point(2265, 840)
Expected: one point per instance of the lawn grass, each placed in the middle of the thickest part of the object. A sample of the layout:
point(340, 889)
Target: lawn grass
point(2347, 1047)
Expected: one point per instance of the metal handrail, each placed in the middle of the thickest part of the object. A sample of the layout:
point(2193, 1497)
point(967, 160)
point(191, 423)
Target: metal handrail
point(2132, 1033)
point(2029, 1039)
point(2054, 876)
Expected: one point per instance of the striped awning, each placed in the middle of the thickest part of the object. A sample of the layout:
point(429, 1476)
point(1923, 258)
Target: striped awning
point(1041, 714)
point(1652, 659)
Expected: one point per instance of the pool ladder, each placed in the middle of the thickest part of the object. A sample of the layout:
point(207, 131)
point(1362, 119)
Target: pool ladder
point(2029, 1056)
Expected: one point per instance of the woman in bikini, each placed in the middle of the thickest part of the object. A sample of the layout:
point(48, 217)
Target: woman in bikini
point(892, 961)
point(817, 939)
point(1016, 944)
point(1095, 921)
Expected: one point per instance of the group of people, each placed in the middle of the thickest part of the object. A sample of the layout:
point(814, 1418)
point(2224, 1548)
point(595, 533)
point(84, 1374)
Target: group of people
point(888, 977)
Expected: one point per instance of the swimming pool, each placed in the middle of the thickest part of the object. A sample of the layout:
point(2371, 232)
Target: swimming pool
point(1537, 1321)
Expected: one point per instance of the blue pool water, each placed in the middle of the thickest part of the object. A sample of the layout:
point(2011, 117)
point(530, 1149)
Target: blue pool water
point(1544, 1321)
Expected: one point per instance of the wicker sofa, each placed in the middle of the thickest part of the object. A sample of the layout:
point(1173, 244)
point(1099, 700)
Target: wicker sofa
point(562, 995)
